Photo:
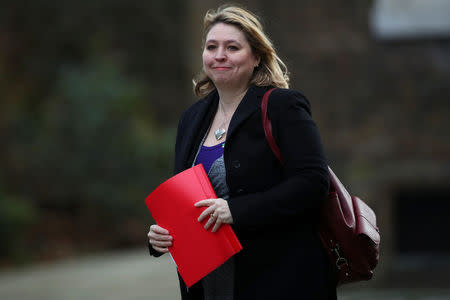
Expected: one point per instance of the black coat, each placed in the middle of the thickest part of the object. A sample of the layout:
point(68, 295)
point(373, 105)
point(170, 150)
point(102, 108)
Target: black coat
point(274, 207)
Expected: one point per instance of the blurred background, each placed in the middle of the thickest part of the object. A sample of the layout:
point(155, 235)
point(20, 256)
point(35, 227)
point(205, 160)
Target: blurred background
point(90, 96)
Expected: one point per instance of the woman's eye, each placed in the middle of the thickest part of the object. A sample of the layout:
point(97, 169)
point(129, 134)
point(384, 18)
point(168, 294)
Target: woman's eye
point(233, 48)
point(210, 47)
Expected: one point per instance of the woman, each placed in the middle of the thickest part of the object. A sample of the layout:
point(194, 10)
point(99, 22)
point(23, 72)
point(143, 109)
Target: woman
point(271, 207)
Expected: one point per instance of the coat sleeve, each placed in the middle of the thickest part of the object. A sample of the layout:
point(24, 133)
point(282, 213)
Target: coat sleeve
point(305, 181)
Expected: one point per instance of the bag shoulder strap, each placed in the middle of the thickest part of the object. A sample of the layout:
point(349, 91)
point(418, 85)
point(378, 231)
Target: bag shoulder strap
point(267, 124)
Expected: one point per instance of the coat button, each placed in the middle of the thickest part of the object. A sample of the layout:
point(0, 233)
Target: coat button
point(239, 191)
point(236, 164)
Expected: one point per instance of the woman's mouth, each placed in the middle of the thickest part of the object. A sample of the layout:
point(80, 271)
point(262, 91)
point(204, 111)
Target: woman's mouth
point(221, 68)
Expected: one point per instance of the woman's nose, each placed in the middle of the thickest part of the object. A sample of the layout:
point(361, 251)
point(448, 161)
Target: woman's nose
point(220, 54)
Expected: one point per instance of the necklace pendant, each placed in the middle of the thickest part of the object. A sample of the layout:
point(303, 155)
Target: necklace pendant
point(219, 133)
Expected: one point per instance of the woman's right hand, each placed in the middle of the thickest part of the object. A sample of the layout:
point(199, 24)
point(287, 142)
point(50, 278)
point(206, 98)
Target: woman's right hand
point(159, 238)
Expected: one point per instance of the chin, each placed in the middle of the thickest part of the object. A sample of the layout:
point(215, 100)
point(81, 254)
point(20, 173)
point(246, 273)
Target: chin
point(221, 80)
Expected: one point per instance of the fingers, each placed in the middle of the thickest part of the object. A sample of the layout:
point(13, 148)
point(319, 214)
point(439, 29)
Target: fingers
point(210, 221)
point(217, 221)
point(161, 244)
point(158, 229)
point(217, 213)
point(206, 213)
point(206, 202)
point(159, 249)
point(158, 233)
point(159, 238)
point(217, 225)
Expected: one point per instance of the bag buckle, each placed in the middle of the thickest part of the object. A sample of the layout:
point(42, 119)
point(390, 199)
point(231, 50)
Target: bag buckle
point(340, 260)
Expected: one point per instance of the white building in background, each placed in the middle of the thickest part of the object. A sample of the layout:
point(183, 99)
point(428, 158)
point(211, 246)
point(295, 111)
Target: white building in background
point(410, 19)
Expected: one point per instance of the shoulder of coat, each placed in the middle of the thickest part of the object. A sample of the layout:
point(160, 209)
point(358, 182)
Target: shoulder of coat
point(198, 106)
point(285, 98)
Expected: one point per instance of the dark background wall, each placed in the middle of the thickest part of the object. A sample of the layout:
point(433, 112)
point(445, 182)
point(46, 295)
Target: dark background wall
point(90, 93)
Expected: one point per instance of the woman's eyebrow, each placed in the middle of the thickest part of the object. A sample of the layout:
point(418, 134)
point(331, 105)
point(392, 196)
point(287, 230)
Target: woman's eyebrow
point(227, 41)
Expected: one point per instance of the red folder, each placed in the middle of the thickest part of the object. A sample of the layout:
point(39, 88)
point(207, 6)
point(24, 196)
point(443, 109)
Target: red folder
point(196, 251)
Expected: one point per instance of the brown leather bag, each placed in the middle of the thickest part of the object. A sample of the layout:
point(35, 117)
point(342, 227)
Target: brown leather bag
point(347, 226)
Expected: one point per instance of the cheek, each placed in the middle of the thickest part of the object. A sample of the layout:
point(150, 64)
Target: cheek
point(247, 64)
point(206, 59)
point(245, 61)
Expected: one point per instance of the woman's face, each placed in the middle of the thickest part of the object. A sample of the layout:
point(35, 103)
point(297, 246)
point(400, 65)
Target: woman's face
point(227, 57)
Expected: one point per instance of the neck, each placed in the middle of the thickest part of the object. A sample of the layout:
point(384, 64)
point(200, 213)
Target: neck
point(230, 98)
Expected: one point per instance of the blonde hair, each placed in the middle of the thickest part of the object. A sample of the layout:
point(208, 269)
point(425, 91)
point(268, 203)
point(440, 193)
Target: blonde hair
point(271, 70)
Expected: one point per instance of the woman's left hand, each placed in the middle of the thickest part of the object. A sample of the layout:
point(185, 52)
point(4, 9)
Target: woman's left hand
point(218, 213)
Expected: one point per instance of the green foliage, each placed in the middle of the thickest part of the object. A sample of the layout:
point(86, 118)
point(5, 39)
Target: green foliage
point(91, 152)
point(16, 215)
point(83, 139)
point(88, 147)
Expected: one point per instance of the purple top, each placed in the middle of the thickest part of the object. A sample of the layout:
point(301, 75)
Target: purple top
point(208, 155)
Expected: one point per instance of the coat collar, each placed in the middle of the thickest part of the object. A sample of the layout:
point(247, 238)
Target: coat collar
point(248, 105)
point(200, 121)
point(196, 127)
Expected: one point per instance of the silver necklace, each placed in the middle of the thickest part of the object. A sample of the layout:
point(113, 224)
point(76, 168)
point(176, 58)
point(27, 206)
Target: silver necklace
point(220, 132)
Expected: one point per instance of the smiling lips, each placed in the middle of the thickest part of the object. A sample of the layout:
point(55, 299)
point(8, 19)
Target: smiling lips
point(221, 68)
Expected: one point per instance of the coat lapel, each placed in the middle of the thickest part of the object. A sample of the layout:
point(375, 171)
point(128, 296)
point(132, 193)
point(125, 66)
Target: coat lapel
point(249, 104)
point(196, 127)
point(198, 123)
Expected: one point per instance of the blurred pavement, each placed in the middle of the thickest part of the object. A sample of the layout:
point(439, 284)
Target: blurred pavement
point(130, 275)
point(133, 275)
